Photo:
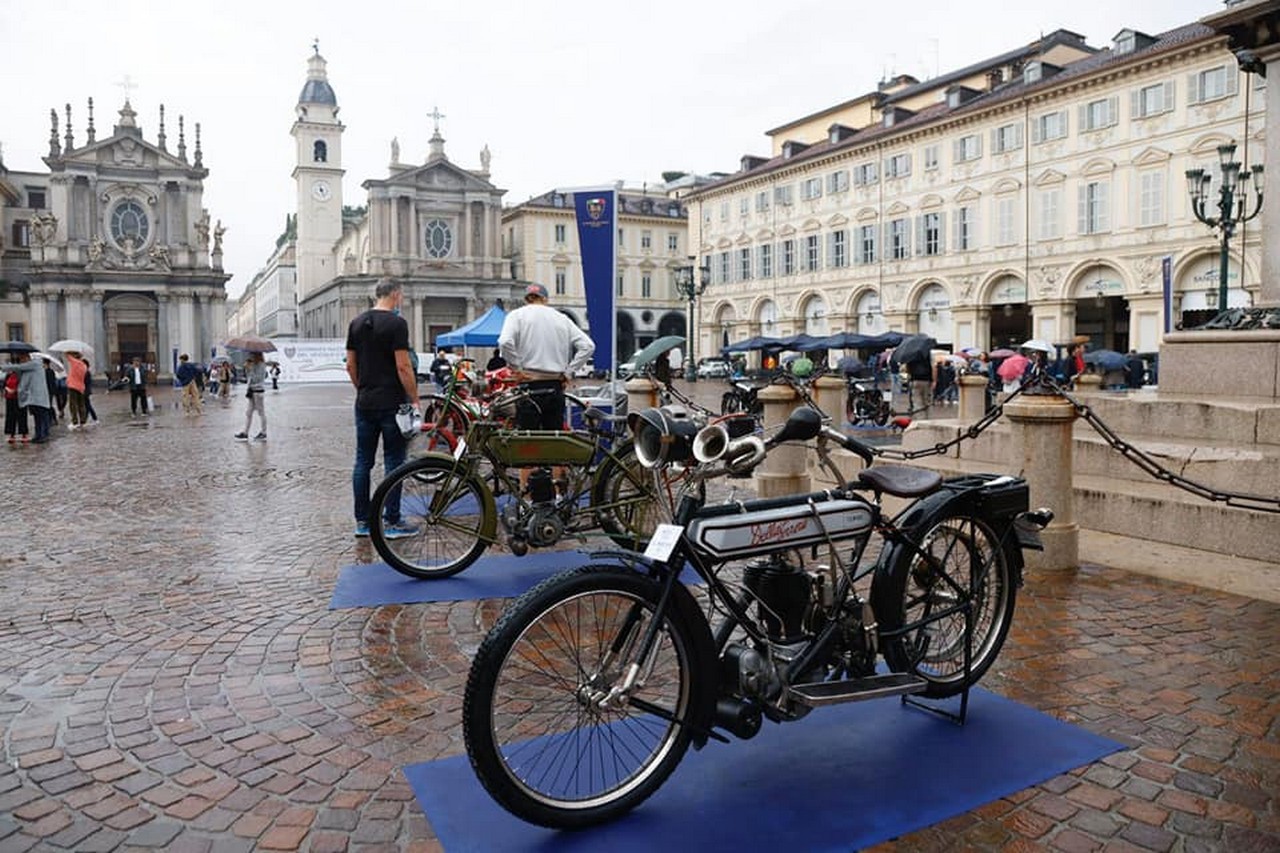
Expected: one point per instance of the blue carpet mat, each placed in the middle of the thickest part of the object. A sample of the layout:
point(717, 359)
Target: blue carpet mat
point(491, 576)
point(843, 778)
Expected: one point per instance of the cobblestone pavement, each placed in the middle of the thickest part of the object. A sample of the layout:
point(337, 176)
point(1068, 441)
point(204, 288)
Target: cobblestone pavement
point(170, 676)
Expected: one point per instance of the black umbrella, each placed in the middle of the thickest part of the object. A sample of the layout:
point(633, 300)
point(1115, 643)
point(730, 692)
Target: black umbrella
point(17, 346)
point(849, 364)
point(1106, 359)
point(912, 348)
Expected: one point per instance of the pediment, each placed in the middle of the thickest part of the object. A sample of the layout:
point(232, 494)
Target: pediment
point(764, 234)
point(787, 230)
point(1098, 166)
point(811, 225)
point(1049, 177)
point(724, 243)
point(744, 239)
point(1152, 157)
point(124, 150)
point(837, 220)
point(436, 175)
point(897, 209)
point(931, 201)
point(1208, 143)
point(866, 214)
point(1006, 185)
point(968, 194)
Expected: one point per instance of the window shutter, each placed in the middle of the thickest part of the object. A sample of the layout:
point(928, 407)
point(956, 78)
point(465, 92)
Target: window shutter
point(942, 232)
point(907, 163)
point(906, 238)
point(995, 140)
point(1037, 131)
point(1233, 79)
point(957, 152)
point(1017, 136)
point(1193, 89)
point(1168, 96)
point(1082, 209)
point(1066, 121)
point(1083, 117)
point(1135, 104)
point(919, 235)
point(1113, 110)
point(1104, 207)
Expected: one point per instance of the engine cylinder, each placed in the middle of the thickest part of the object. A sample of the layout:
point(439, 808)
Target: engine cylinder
point(783, 592)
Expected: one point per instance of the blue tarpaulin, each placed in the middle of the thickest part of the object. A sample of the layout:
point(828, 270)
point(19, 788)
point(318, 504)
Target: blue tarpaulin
point(480, 332)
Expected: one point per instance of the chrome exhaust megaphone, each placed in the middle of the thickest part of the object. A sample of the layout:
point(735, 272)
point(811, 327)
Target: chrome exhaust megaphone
point(710, 443)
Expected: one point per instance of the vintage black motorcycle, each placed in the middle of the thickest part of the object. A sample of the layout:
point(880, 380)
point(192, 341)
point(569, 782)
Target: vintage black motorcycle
point(586, 694)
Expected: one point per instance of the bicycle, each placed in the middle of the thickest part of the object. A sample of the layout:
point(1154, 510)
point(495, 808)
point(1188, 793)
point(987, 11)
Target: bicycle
point(590, 688)
point(456, 502)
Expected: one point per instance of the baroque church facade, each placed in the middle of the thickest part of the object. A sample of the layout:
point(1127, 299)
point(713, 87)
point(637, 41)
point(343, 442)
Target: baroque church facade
point(113, 246)
point(435, 227)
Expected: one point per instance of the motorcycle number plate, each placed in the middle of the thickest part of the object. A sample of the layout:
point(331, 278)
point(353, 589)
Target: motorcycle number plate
point(663, 542)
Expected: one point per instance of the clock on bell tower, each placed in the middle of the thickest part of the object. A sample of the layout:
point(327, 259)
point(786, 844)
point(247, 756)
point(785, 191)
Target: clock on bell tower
point(317, 174)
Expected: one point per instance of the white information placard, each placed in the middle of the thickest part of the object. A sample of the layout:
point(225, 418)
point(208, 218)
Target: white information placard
point(663, 542)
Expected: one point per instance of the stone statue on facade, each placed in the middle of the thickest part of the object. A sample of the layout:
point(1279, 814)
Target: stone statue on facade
point(395, 150)
point(44, 229)
point(160, 257)
point(97, 248)
point(485, 156)
point(218, 231)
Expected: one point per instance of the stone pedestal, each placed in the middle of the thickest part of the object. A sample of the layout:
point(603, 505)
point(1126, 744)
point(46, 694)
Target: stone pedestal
point(829, 393)
point(1041, 451)
point(973, 398)
point(1088, 383)
point(783, 471)
point(1222, 364)
point(642, 393)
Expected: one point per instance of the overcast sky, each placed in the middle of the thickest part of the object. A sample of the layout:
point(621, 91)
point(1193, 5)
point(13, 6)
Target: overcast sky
point(564, 93)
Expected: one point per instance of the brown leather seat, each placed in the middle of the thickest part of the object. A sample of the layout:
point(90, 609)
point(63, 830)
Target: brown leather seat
point(900, 480)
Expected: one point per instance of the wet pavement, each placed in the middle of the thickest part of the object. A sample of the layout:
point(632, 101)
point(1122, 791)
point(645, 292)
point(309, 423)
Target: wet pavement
point(170, 677)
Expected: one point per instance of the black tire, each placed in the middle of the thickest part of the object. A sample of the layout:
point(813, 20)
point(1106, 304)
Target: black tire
point(967, 552)
point(626, 500)
point(445, 506)
point(731, 403)
point(527, 699)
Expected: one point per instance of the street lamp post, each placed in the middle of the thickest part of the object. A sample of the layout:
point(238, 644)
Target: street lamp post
point(1233, 201)
point(691, 287)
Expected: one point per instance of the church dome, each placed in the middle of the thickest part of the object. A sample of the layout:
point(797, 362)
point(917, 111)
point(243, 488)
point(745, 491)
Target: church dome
point(317, 89)
point(318, 92)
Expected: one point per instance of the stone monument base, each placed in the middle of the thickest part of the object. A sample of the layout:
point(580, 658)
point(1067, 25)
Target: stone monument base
point(1221, 363)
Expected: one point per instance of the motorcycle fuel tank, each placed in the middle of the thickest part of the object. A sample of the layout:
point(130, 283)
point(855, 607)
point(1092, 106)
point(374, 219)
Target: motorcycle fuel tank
point(763, 531)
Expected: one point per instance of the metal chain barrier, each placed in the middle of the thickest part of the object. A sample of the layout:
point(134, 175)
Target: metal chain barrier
point(1143, 460)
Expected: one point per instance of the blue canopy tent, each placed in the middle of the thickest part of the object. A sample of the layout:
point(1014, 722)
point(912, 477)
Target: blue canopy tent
point(480, 332)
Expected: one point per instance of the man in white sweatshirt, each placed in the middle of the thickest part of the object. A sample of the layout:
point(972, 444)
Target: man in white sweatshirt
point(545, 347)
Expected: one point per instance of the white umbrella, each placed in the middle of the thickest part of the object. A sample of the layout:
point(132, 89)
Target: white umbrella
point(57, 365)
point(1040, 345)
point(71, 345)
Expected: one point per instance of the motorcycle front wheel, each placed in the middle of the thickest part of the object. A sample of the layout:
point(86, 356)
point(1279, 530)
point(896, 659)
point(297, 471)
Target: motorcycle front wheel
point(626, 500)
point(442, 518)
point(550, 732)
point(962, 570)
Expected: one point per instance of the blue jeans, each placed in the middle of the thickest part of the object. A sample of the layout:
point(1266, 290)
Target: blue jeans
point(370, 425)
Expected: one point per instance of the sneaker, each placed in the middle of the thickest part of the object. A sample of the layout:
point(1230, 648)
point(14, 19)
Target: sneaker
point(26, 439)
point(399, 531)
point(262, 436)
point(362, 530)
point(241, 436)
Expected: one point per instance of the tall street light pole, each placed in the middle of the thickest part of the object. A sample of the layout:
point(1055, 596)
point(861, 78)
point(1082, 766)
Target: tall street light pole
point(691, 282)
point(1233, 200)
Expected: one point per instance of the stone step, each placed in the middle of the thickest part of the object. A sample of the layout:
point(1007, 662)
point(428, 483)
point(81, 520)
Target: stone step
point(1219, 465)
point(1220, 419)
point(1152, 510)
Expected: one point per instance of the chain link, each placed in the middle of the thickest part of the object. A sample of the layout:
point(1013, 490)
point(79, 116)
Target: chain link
point(1138, 457)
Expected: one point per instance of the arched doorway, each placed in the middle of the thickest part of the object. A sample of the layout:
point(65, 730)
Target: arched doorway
point(870, 319)
point(130, 325)
point(934, 314)
point(1197, 290)
point(1010, 316)
point(1101, 310)
point(767, 316)
point(815, 317)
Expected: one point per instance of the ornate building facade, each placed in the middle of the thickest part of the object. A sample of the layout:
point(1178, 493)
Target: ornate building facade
point(1035, 194)
point(113, 246)
point(433, 226)
point(540, 241)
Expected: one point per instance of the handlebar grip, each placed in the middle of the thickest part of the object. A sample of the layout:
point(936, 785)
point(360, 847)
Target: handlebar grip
point(850, 443)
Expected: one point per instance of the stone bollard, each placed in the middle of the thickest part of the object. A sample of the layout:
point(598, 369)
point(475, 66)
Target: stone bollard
point(642, 393)
point(1041, 451)
point(829, 392)
point(1088, 383)
point(783, 471)
point(973, 398)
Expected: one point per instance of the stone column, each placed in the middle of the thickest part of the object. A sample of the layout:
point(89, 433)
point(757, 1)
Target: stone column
point(973, 398)
point(1041, 451)
point(829, 393)
point(99, 339)
point(1270, 295)
point(783, 471)
point(642, 393)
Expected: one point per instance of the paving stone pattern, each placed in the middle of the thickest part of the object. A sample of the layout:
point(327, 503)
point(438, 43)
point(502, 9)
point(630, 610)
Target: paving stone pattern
point(170, 677)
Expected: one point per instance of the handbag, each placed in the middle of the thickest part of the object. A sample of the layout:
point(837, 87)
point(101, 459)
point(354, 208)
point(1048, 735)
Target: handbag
point(248, 394)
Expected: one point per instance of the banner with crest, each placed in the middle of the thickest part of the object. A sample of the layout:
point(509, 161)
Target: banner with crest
point(597, 216)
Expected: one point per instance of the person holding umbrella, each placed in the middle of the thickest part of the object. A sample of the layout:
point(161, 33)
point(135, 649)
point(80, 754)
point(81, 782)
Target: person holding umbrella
point(256, 377)
point(33, 390)
point(77, 370)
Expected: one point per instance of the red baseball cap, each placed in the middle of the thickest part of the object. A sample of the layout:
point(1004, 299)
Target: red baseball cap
point(535, 290)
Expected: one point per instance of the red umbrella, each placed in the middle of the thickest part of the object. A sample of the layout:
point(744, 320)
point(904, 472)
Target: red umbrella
point(1012, 367)
point(1001, 353)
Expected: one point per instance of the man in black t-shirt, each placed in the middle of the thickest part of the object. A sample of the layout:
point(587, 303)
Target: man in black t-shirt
point(379, 366)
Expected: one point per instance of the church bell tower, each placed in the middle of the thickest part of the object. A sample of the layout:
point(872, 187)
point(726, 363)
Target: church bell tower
point(318, 176)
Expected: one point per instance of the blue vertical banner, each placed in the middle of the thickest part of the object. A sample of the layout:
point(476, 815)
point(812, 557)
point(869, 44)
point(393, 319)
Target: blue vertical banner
point(1166, 283)
point(597, 214)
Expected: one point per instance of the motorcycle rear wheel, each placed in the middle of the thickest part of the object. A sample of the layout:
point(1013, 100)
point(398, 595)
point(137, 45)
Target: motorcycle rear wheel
point(539, 737)
point(968, 565)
